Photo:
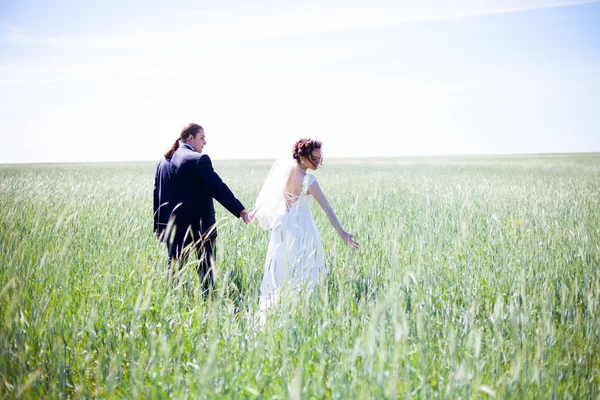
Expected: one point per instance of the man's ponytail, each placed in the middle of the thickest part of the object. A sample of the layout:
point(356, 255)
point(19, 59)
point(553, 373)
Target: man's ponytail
point(169, 153)
point(187, 131)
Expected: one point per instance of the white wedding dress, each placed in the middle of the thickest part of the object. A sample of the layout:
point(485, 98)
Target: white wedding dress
point(295, 258)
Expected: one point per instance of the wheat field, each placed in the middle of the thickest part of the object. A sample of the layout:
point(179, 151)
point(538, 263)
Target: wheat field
point(476, 277)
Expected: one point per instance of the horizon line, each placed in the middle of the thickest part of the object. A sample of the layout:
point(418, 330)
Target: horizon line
point(490, 155)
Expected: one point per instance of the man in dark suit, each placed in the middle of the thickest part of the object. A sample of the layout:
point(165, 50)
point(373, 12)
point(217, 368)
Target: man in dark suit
point(184, 215)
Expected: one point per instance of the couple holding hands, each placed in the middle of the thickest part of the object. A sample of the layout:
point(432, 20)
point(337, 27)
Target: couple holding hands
point(186, 184)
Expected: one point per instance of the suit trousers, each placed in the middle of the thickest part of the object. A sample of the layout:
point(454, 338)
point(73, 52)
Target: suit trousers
point(182, 247)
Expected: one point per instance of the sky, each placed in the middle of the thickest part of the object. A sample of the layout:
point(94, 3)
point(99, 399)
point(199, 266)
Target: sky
point(117, 80)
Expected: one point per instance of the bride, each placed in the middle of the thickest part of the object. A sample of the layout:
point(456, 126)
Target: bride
point(295, 254)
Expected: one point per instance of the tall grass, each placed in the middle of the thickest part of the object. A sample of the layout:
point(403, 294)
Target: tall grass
point(477, 277)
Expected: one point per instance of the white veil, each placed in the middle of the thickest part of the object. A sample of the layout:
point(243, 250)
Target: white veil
point(270, 201)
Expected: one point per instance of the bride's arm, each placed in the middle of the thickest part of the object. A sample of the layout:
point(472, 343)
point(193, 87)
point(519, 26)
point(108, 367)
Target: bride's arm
point(317, 193)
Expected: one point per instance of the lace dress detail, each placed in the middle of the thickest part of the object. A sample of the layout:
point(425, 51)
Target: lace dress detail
point(290, 199)
point(295, 254)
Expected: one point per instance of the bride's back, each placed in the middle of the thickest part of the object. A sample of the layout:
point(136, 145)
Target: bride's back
point(293, 187)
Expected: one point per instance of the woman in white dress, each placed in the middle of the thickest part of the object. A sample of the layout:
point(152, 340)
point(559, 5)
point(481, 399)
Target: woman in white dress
point(295, 253)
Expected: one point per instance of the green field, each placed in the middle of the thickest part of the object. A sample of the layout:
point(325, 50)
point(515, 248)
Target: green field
point(476, 277)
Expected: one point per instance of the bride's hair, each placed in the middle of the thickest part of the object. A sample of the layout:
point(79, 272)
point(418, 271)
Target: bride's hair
point(187, 131)
point(304, 148)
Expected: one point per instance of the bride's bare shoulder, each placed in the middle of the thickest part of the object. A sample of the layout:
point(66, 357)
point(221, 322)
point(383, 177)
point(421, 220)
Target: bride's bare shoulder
point(295, 181)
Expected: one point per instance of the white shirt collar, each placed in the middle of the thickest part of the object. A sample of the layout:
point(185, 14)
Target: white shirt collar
point(188, 146)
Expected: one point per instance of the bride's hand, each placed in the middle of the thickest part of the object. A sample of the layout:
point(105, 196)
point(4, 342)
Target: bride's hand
point(246, 217)
point(349, 239)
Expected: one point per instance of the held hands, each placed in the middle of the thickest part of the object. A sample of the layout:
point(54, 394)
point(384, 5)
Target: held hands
point(246, 217)
point(349, 239)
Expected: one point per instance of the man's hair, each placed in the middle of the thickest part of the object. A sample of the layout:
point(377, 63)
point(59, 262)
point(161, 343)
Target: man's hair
point(190, 129)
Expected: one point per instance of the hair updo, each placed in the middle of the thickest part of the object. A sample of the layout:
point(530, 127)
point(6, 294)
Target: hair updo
point(304, 148)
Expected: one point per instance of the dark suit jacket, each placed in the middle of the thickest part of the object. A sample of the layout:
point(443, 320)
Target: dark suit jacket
point(184, 189)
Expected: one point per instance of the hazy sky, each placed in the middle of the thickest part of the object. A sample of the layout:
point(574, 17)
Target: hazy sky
point(116, 80)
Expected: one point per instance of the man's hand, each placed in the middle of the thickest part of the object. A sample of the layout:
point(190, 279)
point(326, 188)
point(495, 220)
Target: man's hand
point(246, 217)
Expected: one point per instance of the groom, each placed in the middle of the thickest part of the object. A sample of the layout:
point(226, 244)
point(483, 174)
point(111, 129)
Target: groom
point(185, 185)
